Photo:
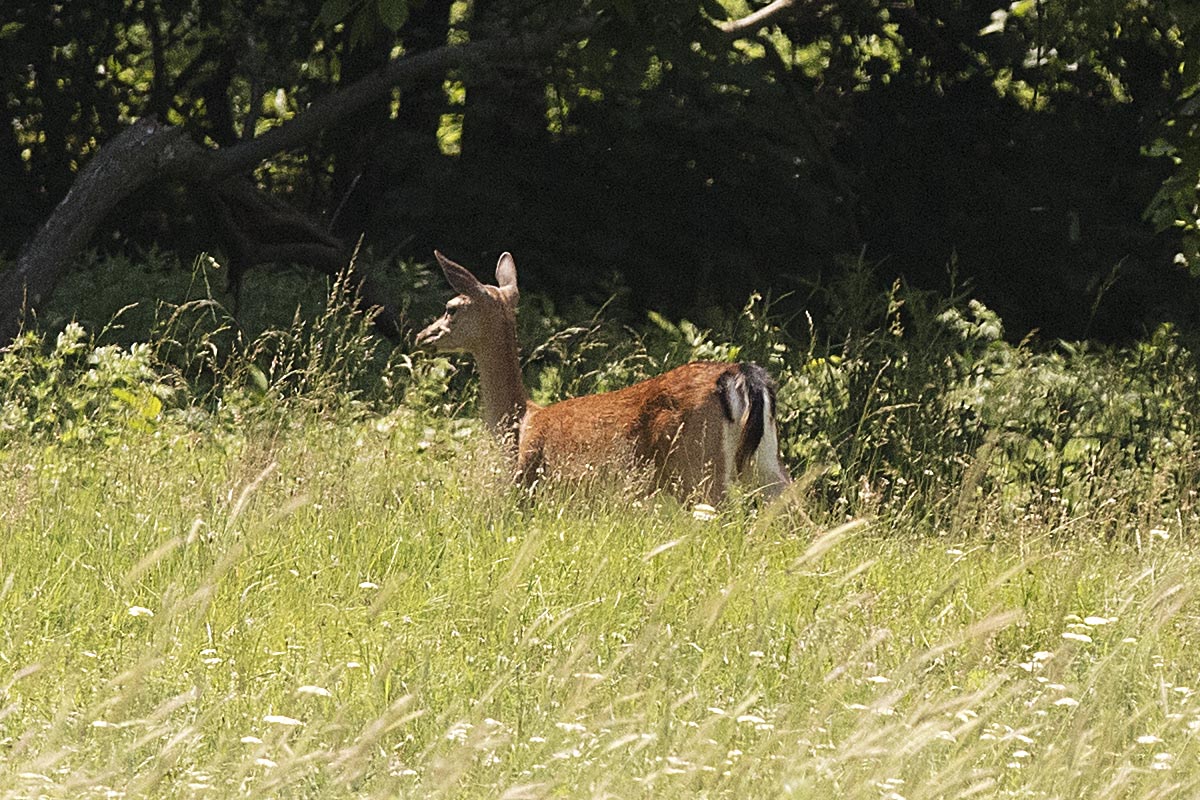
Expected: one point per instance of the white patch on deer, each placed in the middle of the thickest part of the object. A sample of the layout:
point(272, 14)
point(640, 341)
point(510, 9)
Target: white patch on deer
point(768, 472)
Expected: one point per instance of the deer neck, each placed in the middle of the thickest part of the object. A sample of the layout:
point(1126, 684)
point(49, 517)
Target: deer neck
point(501, 389)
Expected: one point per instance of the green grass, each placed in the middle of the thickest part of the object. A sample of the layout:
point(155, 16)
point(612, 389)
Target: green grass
point(365, 609)
point(290, 565)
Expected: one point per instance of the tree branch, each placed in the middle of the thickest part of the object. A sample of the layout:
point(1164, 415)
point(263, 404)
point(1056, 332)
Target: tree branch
point(149, 151)
point(743, 26)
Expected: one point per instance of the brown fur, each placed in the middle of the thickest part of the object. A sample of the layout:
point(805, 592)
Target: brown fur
point(672, 423)
point(680, 425)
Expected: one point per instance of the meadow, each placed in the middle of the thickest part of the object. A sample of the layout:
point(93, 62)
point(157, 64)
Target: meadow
point(289, 563)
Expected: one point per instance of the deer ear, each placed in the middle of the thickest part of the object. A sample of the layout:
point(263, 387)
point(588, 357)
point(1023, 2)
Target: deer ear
point(506, 278)
point(459, 277)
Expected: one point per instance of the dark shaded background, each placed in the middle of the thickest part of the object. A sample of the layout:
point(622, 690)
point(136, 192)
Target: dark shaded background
point(654, 158)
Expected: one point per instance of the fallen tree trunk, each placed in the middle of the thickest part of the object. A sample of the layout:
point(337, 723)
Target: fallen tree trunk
point(125, 164)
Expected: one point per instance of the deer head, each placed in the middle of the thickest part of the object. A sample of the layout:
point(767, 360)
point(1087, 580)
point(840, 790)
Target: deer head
point(479, 316)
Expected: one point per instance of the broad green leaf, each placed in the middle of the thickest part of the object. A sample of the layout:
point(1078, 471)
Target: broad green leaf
point(393, 13)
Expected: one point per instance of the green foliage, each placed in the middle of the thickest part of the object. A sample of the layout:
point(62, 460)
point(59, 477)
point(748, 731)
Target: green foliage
point(78, 391)
point(700, 168)
point(1174, 206)
point(900, 397)
point(259, 589)
point(200, 366)
point(915, 404)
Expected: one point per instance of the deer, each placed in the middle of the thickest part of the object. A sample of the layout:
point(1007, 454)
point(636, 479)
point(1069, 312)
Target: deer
point(695, 429)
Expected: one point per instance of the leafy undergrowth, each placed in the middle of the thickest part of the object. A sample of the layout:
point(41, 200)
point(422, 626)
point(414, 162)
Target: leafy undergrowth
point(281, 567)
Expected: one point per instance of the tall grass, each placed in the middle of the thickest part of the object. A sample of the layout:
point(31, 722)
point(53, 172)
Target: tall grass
point(982, 585)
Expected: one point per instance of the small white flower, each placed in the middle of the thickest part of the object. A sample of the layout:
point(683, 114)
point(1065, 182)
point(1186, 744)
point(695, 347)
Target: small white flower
point(368, 585)
point(140, 611)
point(1078, 637)
point(704, 512)
point(315, 690)
point(458, 731)
point(1068, 702)
point(1148, 738)
point(251, 740)
point(1097, 621)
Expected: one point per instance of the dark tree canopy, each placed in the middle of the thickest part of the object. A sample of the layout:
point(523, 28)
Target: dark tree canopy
point(698, 149)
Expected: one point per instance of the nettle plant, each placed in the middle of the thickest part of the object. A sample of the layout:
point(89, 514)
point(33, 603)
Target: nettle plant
point(78, 391)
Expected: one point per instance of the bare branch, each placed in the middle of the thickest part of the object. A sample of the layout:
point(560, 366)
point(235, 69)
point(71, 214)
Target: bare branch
point(752, 22)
